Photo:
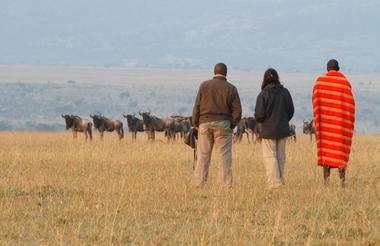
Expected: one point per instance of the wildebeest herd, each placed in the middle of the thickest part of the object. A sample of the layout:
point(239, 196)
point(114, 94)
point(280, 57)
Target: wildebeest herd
point(174, 127)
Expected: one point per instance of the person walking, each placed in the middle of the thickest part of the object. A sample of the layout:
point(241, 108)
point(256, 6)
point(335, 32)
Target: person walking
point(217, 110)
point(274, 109)
point(334, 118)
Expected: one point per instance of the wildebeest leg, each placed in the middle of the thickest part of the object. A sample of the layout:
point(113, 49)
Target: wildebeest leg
point(326, 174)
point(168, 135)
point(119, 134)
point(101, 135)
point(342, 176)
point(150, 135)
point(90, 133)
point(75, 135)
point(247, 137)
point(295, 138)
point(85, 134)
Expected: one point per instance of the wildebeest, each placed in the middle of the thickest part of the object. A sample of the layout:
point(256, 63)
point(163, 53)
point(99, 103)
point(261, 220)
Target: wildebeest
point(152, 123)
point(77, 124)
point(103, 124)
point(182, 125)
point(309, 128)
point(134, 125)
point(254, 128)
point(292, 129)
point(241, 128)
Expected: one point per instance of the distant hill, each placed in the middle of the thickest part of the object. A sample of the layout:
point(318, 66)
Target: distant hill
point(33, 98)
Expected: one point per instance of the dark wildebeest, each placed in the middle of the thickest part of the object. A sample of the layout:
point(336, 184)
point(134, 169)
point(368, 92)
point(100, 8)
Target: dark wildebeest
point(182, 125)
point(77, 124)
point(103, 124)
point(152, 123)
point(292, 129)
point(254, 128)
point(240, 130)
point(134, 125)
point(309, 128)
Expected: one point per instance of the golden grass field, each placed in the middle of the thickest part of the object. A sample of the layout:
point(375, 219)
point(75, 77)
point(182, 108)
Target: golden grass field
point(58, 191)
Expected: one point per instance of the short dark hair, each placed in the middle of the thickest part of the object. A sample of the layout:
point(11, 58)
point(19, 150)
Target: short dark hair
point(270, 76)
point(333, 65)
point(220, 68)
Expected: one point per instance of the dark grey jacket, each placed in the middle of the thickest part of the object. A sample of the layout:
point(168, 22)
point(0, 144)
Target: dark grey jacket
point(274, 109)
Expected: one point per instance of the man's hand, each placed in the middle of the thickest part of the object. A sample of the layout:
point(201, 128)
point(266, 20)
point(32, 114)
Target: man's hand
point(195, 127)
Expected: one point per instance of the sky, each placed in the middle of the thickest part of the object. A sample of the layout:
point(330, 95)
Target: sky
point(291, 36)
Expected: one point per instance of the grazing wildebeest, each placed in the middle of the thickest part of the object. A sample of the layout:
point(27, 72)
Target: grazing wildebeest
point(241, 128)
point(152, 123)
point(134, 125)
point(77, 124)
point(103, 124)
point(309, 128)
point(292, 129)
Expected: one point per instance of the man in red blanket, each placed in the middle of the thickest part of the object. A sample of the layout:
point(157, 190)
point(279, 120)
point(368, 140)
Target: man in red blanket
point(334, 117)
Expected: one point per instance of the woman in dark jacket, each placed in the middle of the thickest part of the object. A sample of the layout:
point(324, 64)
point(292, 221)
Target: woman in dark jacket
point(274, 109)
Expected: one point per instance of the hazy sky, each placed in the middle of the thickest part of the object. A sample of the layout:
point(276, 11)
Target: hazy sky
point(292, 36)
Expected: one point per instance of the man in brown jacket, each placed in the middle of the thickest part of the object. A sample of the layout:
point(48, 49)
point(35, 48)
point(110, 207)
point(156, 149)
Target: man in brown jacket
point(216, 112)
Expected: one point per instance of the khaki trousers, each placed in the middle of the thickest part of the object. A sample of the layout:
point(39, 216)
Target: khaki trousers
point(222, 140)
point(274, 161)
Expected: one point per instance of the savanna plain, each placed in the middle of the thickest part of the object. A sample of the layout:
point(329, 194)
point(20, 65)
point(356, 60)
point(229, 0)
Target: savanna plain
point(55, 190)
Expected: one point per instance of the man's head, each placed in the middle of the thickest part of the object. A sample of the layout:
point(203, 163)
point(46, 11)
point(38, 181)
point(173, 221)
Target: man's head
point(220, 68)
point(332, 65)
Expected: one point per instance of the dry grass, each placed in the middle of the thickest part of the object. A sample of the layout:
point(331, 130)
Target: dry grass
point(56, 190)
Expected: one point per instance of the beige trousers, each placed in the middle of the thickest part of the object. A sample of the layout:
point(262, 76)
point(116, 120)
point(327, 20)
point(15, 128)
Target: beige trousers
point(274, 161)
point(222, 140)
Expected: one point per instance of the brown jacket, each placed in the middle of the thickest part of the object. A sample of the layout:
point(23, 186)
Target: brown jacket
point(217, 99)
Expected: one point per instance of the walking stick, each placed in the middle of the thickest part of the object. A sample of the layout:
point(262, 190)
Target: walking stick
point(195, 156)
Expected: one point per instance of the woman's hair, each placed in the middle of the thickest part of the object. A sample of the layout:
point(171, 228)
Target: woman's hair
point(270, 76)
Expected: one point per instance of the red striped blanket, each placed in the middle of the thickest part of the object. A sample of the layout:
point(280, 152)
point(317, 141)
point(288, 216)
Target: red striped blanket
point(334, 117)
